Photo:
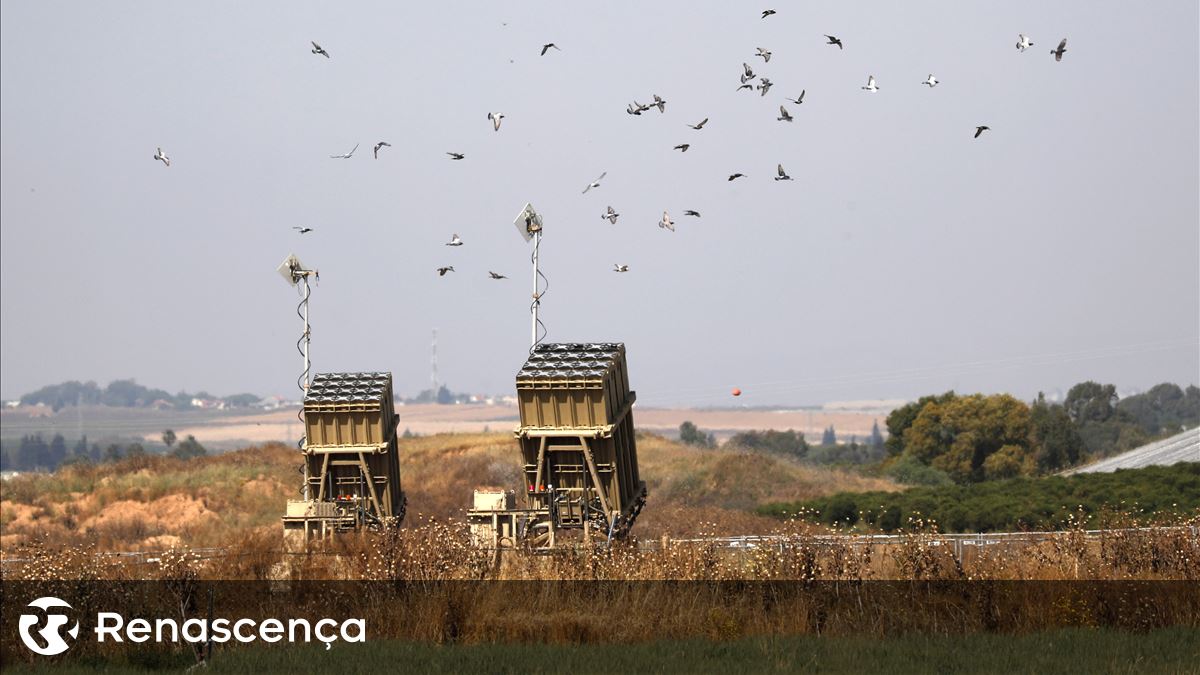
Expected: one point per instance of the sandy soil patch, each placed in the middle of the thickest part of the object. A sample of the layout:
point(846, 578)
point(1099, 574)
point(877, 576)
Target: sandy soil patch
point(172, 513)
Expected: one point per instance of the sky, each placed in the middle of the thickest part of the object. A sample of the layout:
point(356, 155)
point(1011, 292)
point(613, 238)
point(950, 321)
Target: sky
point(904, 258)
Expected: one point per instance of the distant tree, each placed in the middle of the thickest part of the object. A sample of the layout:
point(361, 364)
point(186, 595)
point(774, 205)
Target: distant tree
point(1055, 440)
point(1091, 402)
point(900, 419)
point(81, 447)
point(829, 436)
point(168, 438)
point(33, 453)
point(189, 448)
point(58, 396)
point(123, 393)
point(407, 433)
point(876, 440)
point(1164, 409)
point(444, 397)
point(689, 434)
point(57, 451)
point(788, 443)
point(959, 436)
point(135, 450)
point(112, 453)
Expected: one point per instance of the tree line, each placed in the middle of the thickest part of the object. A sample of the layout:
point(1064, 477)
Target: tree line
point(977, 437)
point(123, 394)
point(33, 453)
point(950, 438)
point(791, 443)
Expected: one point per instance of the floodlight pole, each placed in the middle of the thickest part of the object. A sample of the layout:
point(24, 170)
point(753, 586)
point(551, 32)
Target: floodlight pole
point(300, 276)
point(537, 299)
point(307, 333)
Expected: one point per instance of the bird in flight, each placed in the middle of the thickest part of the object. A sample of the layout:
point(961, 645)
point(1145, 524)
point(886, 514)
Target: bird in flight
point(782, 174)
point(496, 276)
point(746, 86)
point(767, 12)
point(348, 155)
point(666, 222)
point(764, 53)
point(764, 85)
point(980, 129)
point(871, 86)
point(379, 145)
point(495, 117)
point(620, 268)
point(611, 215)
point(699, 126)
point(318, 50)
point(682, 147)
point(690, 212)
point(546, 47)
point(636, 108)
point(1062, 49)
point(747, 73)
point(931, 81)
point(800, 100)
point(595, 183)
point(784, 115)
point(1023, 42)
point(165, 160)
point(442, 270)
point(662, 105)
point(455, 240)
point(737, 175)
point(456, 155)
point(302, 230)
point(833, 41)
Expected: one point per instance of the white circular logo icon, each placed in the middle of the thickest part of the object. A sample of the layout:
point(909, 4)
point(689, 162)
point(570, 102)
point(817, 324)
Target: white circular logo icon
point(51, 633)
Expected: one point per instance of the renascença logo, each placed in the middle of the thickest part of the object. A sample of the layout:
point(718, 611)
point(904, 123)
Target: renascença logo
point(51, 633)
point(113, 626)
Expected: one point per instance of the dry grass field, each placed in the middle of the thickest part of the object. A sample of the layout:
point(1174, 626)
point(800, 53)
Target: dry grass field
point(153, 503)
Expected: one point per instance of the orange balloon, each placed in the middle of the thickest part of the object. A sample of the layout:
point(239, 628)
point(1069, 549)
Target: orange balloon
point(737, 392)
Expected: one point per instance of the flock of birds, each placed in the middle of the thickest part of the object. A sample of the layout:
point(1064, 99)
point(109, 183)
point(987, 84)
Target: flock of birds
point(635, 108)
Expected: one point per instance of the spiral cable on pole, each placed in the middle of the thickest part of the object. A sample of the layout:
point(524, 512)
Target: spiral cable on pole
point(537, 296)
point(303, 380)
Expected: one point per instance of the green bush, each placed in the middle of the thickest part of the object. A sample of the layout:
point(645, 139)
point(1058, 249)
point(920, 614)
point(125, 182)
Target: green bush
point(1015, 504)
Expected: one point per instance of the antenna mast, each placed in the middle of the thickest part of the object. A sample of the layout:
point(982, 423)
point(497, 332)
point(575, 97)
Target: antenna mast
point(296, 273)
point(537, 297)
point(529, 225)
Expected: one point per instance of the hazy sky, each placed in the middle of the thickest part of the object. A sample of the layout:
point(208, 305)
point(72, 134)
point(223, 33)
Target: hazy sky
point(904, 258)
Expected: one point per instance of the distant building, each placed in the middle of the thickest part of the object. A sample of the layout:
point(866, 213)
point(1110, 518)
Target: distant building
point(208, 404)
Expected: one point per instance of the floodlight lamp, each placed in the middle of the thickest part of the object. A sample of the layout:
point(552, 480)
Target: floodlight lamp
point(528, 222)
point(290, 269)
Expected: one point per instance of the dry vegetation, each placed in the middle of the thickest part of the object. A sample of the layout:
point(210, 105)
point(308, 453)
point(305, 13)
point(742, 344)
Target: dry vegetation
point(419, 584)
point(153, 503)
point(65, 523)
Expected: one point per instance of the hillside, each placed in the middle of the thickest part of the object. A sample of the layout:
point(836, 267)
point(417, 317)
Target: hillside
point(158, 502)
